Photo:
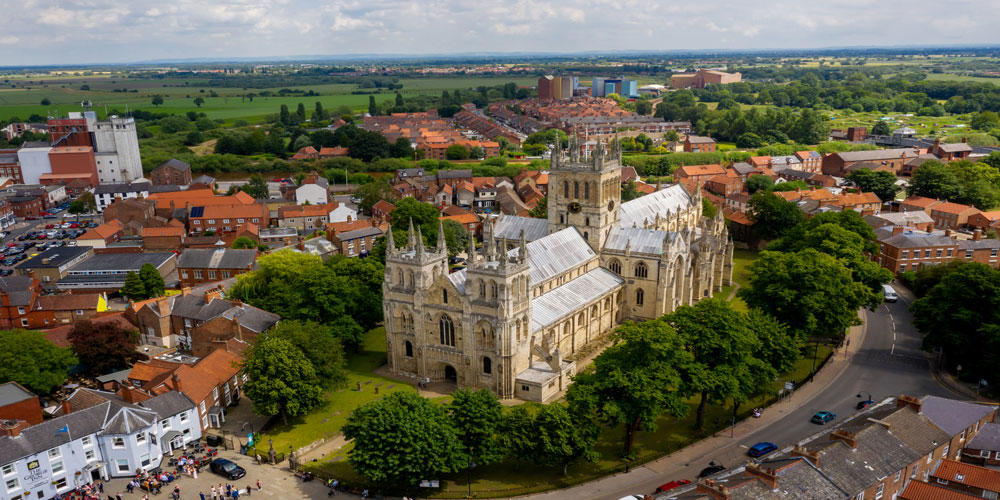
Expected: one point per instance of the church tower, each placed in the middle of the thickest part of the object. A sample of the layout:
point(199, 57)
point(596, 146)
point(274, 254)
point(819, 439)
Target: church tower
point(585, 192)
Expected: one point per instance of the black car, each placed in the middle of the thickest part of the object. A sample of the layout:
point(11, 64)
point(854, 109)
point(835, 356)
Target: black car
point(713, 468)
point(226, 468)
point(6, 272)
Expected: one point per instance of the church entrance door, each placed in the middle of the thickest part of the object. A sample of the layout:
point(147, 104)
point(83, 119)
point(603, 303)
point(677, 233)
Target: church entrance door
point(450, 374)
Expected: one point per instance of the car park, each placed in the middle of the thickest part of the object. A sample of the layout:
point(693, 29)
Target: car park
point(762, 448)
point(672, 485)
point(823, 417)
point(227, 469)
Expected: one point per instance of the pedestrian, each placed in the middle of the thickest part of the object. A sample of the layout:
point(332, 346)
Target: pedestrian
point(229, 490)
point(249, 489)
point(258, 459)
point(364, 494)
point(129, 487)
point(258, 485)
point(236, 494)
point(100, 486)
point(213, 493)
point(202, 495)
point(118, 496)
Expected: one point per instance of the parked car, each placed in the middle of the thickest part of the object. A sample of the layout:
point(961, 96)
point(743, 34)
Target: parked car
point(713, 468)
point(671, 485)
point(6, 272)
point(823, 417)
point(50, 226)
point(762, 448)
point(865, 404)
point(227, 469)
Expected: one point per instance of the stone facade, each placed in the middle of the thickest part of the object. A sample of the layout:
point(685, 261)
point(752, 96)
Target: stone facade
point(529, 303)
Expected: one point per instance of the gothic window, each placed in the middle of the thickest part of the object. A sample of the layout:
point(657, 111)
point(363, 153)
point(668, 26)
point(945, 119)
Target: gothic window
point(566, 189)
point(639, 295)
point(487, 365)
point(400, 276)
point(412, 281)
point(615, 266)
point(576, 190)
point(586, 190)
point(493, 290)
point(409, 349)
point(447, 330)
point(482, 289)
point(586, 221)
point(641, 270)
point(444, 296)
point(561, 219)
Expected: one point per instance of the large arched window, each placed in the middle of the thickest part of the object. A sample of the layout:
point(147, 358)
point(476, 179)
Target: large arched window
point(482, 289)
point(409, 349)
point(494, 291)
point(639, 296)
point(586, 190)
point(615, 266)
point(447, 330)
point(444, 295)
point(641, 270)
point(487, 365)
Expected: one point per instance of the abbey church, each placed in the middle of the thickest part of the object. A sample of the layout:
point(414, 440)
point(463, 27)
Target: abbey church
point(538, 291)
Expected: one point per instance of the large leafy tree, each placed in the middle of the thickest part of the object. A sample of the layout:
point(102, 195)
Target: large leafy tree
point(773, 216)
point(517, 434)
point(256, 186)
point(635, 380)
point(476, 417)
point(103, 347)
point(282, 381)
point(402, 439)
point(28, 358)
point(935, 180)
point(722, 347)
point(133, 289)
point(319, 345)
point(151, 280)
point(758, 182)
point(882, 183)
point(813, 293)
point(561, 439)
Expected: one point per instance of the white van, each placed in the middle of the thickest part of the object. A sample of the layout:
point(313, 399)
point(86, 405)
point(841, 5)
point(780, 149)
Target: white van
point(888, 293)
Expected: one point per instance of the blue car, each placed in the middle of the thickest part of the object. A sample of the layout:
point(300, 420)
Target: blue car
point(761, 449)
point(823, 417)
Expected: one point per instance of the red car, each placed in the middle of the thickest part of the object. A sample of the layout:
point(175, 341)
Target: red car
point(671, 485)
point(49, 226)
point(74, 225)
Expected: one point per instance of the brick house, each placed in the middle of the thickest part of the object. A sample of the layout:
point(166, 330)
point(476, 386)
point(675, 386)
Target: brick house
point(26, 206)
point(739, 202)
point(19, 304)
point(226, 218)
point(381, 210)
point(213, 383)
point(52, 264)
point(865, 203)
point(698, 173)
point(950, 152)
point(130, 209)
point(967, 478)
point(984, 449)
point(18, 403)
point(357, 242)
point(197, 265)
point(951, 215)
point(811, 161)
point(698, 144)
point(724, 185)
point(914, 203)
point(918, 220)
point(171, 172)
point(902, 249)
point(102, 235)
point(307, 216)
point(836, 164)
point(983, 220)
point(163, 238)
point(68, 309)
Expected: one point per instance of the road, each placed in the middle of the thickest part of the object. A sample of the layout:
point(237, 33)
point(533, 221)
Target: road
point(888, 363)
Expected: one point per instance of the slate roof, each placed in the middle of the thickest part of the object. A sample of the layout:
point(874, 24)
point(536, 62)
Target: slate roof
point(510, 227)
point(567, 299)
point(12, 392)
point(359, 233)
point(907, 218)
point(252, 318)
point(170, 403)
point(953, 416)
point(454, 174)
point(669, 199)
point(134, 187)
point(217, 258)
point(175, 164)
point(203, 179)
point(988, 438)
point(878, 455)
point(42, 437)
point(744, 168)
point(957, 147)
point(913, 239)
point(18, 288)
point(107, 262)
point(875, 155)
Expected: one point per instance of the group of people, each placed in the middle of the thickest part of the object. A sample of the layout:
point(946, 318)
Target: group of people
point(230, 491)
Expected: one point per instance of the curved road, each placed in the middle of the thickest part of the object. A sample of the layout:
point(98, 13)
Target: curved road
point(888, 363)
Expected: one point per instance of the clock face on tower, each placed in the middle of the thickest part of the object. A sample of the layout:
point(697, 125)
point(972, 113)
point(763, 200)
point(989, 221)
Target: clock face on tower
point(574, 207)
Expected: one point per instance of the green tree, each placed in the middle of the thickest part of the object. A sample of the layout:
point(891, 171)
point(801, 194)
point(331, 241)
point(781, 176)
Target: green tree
point(134, 288)
point(881, 128)
point(671, 136)
point(256, 187)
point(319, 345)
point(749, 140)
point(561, 439)
point(476, 417)
point(759, 182)
point(300, 113)
point(193, 138)
point(773, 215)
point(882, 183)
point(103, 347)
point(456, 152)
point(282, 380)
point(319, 114)
point(985, 120)
point(935, 180)
point(541, 210)
point(157, 100)
point(402, 148)
point(635, 380)
point(380, 428)
point(372, 107)
point(152, 282)
point(244, 243)
point(372, 193)
point(517, 435)
point(708, 209)
point(204, 123)
point(47, 102)
point(198, 101)
point(809, 128)
point(813, 293)
point(28, 358)
point(643, 107)
point(284, 117)
point(629, 192)
point(790, 186)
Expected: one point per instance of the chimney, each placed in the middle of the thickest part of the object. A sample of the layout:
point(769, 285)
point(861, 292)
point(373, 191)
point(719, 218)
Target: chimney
point(12, 428)
point(185, 291)
point(977, 235)
point(163, 306)
point(767, 475)
point(897, 230)
point(46, 261)
point(912, 402)
point(947, 232)
point(66, 407)
point(811, 456)
point(177, 383)
point(883, 423)
point(964, 140)
point(716, 491)
point(848, 438)
point(930, 227)
point(937, 144)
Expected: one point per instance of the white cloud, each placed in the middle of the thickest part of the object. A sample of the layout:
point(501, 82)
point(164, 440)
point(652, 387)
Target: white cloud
point(115, 31)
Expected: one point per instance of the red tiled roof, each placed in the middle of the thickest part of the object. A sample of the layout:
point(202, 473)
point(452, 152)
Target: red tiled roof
point(150, 232)
point(919, 201)
point(919, 490)
point(102, 232)
point(951, 208)
point(306, 210)
point(384, 206)
point(693, 170)
point(972, 475)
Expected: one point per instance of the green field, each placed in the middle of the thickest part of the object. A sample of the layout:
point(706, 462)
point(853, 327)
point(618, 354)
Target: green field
point(65, 95)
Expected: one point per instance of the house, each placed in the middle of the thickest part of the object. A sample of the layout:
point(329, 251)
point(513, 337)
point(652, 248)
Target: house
point(202, 182)
point(60, 334)
point(52, 264)
point(919, 490)
point(163, 238)
point(107, 272)
point(951, 215)
point(18, 403)
point(738, 201)
point(950, 152)
point(902, 249)
point(850, 134)
point(19, 304)
point(983, 220)
point(306, 153)
point(698, 144)
point(918, 220)
point(966, 478)
point(865, 203)
point(130, 210)
point(314, 190)
point(70, 308)
point(467, 219)
point(213, 383)
point(314, 216)
point(984, 449)
point(838, 164)
point(277, 236)
point(698, 173)
point(381, 210)
point(724, 185)
point(109, 436)
point(105, 194)
point(810, 161)
point(357, 242)
point(102, 235)
point(914, 203)
point(202, 321)
point(24, 206)
point(226, 218)
point(197, 266)
point(334, 152)
point(171, 172)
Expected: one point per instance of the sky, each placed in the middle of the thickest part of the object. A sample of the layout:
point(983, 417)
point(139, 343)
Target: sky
point(44, 32)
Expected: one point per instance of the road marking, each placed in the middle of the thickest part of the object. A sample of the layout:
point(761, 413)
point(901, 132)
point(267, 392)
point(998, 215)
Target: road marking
point(744, 446)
